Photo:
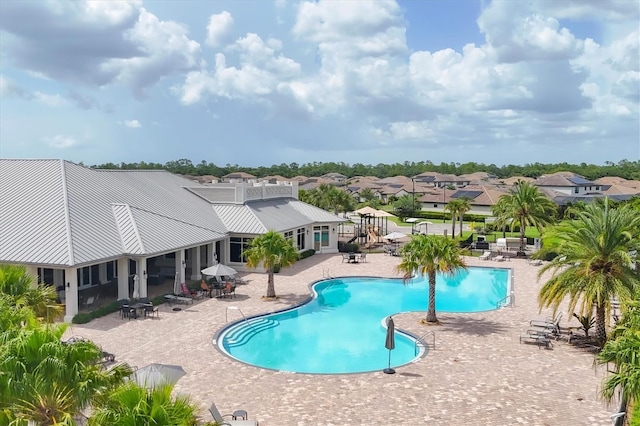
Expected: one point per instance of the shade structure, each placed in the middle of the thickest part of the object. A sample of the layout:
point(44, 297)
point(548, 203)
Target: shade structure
point(136, 287)
point(219, 270)
point(394, 236)
point(154, 375)
point(370, 211)
point(390, 343)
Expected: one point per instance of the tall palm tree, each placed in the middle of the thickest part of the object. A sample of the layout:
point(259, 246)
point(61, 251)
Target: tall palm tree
point(271, 250)
point(430, 255)
point(524, 206)
point(623, 350)
point(133, 405)
point(47, 381)
point(594, 262)
point(453, 206)
point(25, 292)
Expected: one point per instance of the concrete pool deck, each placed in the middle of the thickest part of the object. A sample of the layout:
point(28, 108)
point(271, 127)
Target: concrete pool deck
point(479, 373)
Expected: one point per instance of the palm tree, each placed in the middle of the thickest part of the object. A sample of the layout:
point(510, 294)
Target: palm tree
point(453, 206)
point(47, 381)
point(132, 405)
point(430, 255)
point(623, 350)
point(271, 250)
point(25, 292)
point(524, 206)
point(594, 262)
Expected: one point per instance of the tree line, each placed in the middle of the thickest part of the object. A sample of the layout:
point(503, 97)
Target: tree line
point(624, 169)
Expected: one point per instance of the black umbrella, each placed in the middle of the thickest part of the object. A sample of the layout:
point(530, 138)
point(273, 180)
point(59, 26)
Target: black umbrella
point(390, 343)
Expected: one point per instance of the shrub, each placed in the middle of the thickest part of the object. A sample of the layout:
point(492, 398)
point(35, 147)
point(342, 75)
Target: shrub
point(82, 318)
point(307, 253)
point(348, 247)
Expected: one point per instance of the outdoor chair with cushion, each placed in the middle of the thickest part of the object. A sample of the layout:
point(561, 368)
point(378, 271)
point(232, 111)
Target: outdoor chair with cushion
point(150, 310)
point(186, 292)
point(238, 418)
point(229, 290)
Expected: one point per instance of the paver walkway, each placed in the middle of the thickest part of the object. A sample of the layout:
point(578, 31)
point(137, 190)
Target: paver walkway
point(479, 373)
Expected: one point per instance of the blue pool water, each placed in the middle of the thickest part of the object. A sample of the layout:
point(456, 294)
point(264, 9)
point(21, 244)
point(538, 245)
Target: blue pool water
point(341, 329)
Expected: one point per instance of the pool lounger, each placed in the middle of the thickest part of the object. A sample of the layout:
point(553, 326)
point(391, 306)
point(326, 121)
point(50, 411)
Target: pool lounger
point(172, 298)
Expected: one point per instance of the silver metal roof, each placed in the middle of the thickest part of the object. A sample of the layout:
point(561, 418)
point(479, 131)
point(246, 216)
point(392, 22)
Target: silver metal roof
point(54, 212)
point(281, 214)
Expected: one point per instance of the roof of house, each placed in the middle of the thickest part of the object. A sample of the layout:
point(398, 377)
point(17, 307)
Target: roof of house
point(239, 175)
point(279, 214)
point(563, 179)
point(55, 212)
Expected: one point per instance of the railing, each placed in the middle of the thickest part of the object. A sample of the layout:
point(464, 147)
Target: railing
point(235, 308)
point(508, 300)
point(420, 340)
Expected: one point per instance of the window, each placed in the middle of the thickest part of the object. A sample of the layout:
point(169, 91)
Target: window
point(288, 235)
point(597, 188)
point(576, 189)
point(435, 206)
point(300, 238)
point(237, 247)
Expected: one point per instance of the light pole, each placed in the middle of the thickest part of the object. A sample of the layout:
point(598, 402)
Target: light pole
point(413, 193)
point(444, 204)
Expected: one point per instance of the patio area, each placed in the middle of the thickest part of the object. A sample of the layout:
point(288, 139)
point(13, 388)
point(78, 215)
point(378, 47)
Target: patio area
point(479, 373)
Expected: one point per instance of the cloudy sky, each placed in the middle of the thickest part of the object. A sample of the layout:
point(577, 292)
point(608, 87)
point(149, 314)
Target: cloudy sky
point(269, 82)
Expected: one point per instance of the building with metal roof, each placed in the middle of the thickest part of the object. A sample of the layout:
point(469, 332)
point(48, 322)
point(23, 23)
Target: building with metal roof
point(81, 228)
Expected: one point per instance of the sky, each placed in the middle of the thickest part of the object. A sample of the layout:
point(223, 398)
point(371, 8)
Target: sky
point(258, 83)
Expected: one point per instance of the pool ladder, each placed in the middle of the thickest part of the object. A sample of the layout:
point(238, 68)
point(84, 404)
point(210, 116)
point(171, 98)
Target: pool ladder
point(509, 300)
point(420, 341)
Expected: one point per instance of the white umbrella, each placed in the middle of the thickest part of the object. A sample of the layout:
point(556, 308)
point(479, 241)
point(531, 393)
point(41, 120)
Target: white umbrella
point(177, 289)
point(154, 375)
point(136, 287)
point(219, 270)
point(394, 236)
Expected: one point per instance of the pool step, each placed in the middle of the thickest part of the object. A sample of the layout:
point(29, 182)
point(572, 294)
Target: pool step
point(246, 330)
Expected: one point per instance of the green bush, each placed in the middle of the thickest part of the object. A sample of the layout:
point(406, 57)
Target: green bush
point(348, 247)
point(82, 318)
point(635, 415)
point(307, 253)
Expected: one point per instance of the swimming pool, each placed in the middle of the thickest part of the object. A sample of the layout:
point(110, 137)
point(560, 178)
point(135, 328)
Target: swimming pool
point(340, 330)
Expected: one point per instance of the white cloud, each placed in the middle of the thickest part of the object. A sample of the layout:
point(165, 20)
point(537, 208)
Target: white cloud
point(61, 141)
point(104, 42)
point(219, 29)
point(134, 124)
point(50, 100)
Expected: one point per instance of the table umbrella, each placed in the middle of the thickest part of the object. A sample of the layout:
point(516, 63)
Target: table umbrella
point(390, 343)
point(219, 270)
point(154, 375)
point(394, 236)
point(136, 287)
point(176, 284)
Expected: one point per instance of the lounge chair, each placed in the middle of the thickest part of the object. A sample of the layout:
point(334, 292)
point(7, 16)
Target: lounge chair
point(548, 323)
point(485, 256)
point(188, 293)
point(540, 339)
point(234, 421)
point(499, 258)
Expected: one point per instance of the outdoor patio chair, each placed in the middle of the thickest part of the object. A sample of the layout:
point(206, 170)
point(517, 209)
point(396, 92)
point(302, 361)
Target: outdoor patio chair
point(238, 418)
point(151, 310)
point(499, 258)
point(229, 290)
point(188, 293)
point(345, 257)
point(485, 256)
point(363, 257)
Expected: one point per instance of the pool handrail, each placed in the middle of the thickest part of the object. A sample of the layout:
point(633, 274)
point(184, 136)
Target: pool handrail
point(420, 340)
point(235, 308)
